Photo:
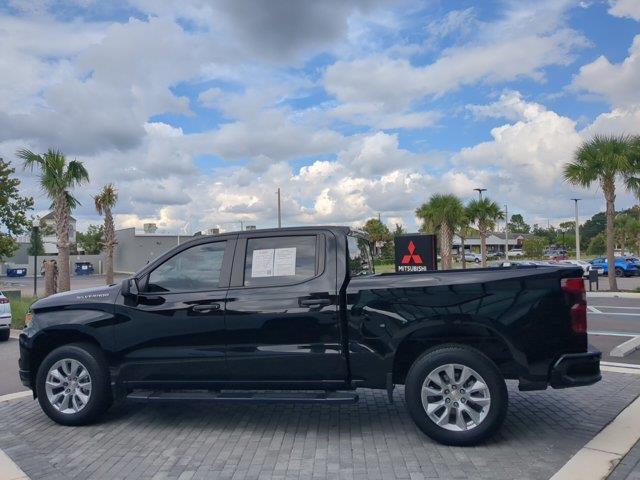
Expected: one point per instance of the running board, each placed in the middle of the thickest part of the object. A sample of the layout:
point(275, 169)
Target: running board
point(334, 398)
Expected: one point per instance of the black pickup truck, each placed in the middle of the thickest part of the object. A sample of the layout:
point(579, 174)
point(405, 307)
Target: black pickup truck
point(299, 315)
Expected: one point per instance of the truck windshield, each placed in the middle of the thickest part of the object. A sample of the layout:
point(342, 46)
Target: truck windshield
point(360, 257)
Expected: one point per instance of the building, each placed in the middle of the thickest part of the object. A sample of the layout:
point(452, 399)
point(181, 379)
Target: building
point(496, 242)
point(51, 241)
point(134, 250)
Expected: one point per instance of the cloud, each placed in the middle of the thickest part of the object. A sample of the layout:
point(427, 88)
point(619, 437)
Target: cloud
point(625, 8)
point(617, 83)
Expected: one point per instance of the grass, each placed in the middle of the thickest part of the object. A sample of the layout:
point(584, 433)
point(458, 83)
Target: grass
point(19, 309)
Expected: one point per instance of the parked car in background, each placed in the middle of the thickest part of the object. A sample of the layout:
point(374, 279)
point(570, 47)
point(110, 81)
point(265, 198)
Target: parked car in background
point(5, 318)
point(586, 266)
point(622, 267)
point(84, 268)
point(472, 257)
point(634, 260)
point(556, 255)
point(516, 252)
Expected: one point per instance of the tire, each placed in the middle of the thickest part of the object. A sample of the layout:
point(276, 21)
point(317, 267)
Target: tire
point(83, 405)
point(477, 260)
point(4, 335)
point(459, 428)
point(619, 272)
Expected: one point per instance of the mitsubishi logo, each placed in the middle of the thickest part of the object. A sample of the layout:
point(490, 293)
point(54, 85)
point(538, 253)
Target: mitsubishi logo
point(412, 257)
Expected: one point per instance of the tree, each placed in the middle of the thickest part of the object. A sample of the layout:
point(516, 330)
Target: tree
point(623, 230)
point(57, 178)
point(91, 241)
point(464, 231)
point(442, 213)
point(36, 246)
point(380, 235)
point(597, 245)
point(485, 214)
point(104, 202)
point(13, 209)
point(603, 160)
point(534, 246)
point(518, 225)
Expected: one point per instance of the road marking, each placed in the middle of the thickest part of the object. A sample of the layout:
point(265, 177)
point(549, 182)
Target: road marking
point(616, 314)
point(15, 396)
point(612, 334)
point(593, 309)
point(618, 364)
point(609, 306)
point(600, 456)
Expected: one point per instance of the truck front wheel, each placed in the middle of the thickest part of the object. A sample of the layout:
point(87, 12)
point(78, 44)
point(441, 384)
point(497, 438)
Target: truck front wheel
point(456, 395)
point(73, 384)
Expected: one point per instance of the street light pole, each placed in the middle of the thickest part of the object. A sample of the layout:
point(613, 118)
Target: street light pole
point(506, 232)
point(34, 245)
point(576, 200)
point(279, 210)
point(480, 190)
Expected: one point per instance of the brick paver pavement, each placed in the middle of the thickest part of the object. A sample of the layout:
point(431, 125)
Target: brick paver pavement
point(369, 440)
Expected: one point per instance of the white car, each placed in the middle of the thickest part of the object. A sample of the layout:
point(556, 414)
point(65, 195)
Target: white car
point(586, 266)
point(5, 318)
point(516, 252)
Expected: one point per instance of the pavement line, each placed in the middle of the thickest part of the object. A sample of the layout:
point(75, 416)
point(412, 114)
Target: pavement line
point(613, 295)
point(632, 371)
point(597, 459)
point(9, 470)
point(618, 364)
point(626, 348)
point(593, 309)
point(612, 334)
point(610, 306)
point(15, 396)
point(616, 314)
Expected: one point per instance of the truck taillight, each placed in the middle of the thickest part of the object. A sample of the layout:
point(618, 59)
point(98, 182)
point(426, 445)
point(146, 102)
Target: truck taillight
point(4, 300)
point(577, 298)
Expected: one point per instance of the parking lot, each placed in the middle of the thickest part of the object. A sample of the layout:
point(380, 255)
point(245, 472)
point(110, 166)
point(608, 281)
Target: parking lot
point(370, 440)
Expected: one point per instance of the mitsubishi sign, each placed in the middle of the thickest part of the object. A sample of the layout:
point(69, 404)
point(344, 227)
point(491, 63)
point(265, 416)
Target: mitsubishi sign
point(415, 253)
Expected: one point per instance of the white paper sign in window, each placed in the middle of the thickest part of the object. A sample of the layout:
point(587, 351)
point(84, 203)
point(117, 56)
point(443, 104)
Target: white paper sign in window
point(284, 262)
point(270, 262)
point(262, 263)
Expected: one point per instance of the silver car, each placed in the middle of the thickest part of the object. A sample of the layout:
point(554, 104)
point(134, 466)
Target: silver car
point(5, 318)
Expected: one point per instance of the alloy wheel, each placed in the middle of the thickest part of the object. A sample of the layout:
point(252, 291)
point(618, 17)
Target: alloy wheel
point(68, 386)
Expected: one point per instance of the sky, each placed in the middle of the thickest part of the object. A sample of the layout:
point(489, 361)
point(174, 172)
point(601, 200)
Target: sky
point(198, 111)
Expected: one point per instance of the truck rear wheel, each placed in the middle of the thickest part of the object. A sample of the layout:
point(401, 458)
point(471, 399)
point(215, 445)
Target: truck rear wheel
point(456, 395)
point(73, 384)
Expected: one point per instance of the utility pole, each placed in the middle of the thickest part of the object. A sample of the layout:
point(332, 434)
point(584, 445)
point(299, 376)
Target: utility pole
point(279, 210)
point(480, 190)
point(34, 244)
point(575, 201)
point(506, 232)
point(241, 225)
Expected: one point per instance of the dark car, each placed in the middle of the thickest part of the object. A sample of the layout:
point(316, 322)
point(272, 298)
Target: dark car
point(301, 310)
point(84, 268)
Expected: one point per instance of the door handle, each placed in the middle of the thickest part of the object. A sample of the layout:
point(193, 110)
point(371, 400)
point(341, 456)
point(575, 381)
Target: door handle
point(314, 302)
point(209, 307)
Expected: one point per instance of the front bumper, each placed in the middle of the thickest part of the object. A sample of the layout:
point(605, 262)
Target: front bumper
point(576, 369)
point(24, 361)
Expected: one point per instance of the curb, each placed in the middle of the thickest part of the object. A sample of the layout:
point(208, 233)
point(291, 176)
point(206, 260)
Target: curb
point(597, 459)
point(15, 396)
point(9, 470)
point(626, 348)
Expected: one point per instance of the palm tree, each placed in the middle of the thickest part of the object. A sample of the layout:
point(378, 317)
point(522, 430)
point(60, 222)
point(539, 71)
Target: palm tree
point(57, 178)
point(104, 202)
point(604, 159)
point(485, 213)
point(442, 213)
point(464, 231)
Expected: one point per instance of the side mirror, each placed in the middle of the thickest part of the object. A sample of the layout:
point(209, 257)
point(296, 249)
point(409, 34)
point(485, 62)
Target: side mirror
point(130, 287)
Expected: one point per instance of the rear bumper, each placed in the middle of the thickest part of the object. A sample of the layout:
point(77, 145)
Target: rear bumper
point(576, 369)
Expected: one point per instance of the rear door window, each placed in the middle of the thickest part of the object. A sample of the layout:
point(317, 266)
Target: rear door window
point(280, 260)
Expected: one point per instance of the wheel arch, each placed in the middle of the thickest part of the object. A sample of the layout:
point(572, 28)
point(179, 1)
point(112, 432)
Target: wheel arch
point(479, 337)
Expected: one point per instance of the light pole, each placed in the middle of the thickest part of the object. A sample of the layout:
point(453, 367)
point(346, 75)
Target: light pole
point(575, 201)
point(480, 190)
point(506, 232)
point(279, 210)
